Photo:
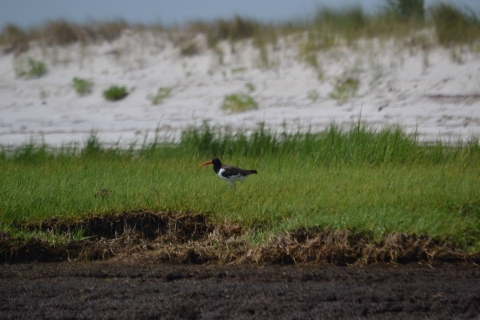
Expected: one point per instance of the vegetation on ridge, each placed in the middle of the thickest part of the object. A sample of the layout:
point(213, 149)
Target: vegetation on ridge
point(328, 27)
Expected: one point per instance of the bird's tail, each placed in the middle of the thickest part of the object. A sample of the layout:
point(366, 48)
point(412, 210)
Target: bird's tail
point(253, 171)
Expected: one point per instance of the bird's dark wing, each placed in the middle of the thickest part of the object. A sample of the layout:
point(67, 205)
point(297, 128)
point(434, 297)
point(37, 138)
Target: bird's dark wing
point(231, 171)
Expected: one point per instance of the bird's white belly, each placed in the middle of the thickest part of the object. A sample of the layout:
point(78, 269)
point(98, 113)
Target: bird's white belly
point(231, 178)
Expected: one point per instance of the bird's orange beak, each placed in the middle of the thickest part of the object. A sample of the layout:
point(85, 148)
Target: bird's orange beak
point(206, 164)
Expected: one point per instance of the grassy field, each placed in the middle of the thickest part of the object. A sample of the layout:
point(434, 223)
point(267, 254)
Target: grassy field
point(358, 179)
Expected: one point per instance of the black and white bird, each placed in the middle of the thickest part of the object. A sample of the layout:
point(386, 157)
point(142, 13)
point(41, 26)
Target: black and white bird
point(228, 173)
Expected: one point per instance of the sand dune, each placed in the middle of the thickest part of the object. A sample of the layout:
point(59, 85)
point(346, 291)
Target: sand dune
point(430, 91)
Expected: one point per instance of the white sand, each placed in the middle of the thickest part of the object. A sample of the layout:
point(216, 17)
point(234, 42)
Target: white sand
point(424, 91)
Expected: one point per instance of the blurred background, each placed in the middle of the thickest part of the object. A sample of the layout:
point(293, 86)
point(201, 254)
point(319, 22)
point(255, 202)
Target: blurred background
point(128, 68)
point(32, 13)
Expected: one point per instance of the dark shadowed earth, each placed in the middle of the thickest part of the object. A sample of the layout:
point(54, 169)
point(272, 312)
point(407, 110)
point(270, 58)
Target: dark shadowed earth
point(122, 290)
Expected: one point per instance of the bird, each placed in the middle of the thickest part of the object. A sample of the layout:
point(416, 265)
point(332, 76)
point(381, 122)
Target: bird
point(228, 173)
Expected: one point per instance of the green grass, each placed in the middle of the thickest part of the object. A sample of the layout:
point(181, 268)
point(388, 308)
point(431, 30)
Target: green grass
point(250, 87)
point(359, 179)
point(239, 102)
point(29, 68)
point(407, 10)
point(454, 26)
point(13, 39)
point(345, 88)
point(82, 86)
point(115, 93)
point(161, 95)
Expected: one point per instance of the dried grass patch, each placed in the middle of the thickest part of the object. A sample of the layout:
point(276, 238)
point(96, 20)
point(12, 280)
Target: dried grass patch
point(192, 239)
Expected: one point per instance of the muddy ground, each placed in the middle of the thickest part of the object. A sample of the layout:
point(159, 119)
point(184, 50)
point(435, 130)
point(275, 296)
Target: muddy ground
point(120, 290)
point(148, 265)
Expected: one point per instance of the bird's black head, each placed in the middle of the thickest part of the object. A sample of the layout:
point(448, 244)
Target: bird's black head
point(217, 165)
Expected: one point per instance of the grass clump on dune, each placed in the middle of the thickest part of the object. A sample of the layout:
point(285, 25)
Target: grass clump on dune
point(232, 30)
point(14, 39)
point(82, 86)
point(239, 102)
point(61, 33)
point(161, 95)
point(454, 26)
point(360, 179)
point(406, 10)
point(29, 68)
point(345, 89)
point(115, 93)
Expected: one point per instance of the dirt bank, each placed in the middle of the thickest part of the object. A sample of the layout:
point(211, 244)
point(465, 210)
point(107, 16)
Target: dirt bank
point(193, 239)
point(147, 265)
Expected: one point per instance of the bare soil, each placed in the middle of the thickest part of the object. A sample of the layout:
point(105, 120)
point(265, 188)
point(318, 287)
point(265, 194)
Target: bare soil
point(119, 290)
point(148, 265)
